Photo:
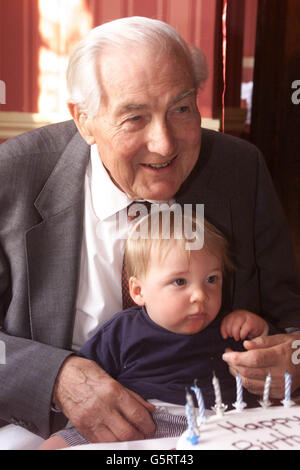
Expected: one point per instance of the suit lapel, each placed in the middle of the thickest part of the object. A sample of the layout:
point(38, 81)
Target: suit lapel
point(54, 246)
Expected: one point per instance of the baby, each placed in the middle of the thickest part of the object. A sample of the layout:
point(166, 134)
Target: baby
point(178, 330)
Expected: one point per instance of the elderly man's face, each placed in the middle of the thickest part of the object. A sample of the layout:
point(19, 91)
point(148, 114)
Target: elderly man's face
point(148, 127)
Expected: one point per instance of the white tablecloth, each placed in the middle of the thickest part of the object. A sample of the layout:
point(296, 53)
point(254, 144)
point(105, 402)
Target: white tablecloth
point(14, 437)
point(166, 443)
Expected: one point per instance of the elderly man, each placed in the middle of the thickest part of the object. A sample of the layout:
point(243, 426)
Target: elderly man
point(133, 86)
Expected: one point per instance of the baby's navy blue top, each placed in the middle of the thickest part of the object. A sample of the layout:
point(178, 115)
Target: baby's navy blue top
point(159, 364)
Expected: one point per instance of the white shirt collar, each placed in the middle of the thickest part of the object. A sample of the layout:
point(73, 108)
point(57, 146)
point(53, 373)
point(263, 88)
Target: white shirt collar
point(107, 198)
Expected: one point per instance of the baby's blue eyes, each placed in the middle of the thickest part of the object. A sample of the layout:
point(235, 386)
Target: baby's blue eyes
point(182, 282)
point(179, 282)
point(212, 279)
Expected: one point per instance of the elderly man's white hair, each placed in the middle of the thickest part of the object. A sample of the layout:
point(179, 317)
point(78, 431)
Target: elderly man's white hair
point(82, 82)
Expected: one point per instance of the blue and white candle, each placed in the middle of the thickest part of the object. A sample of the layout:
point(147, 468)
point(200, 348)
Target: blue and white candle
point(201, 406)
point(193, 432)
point(219, 407)
point(239, 404)
point(265, 403)
point(287, 402)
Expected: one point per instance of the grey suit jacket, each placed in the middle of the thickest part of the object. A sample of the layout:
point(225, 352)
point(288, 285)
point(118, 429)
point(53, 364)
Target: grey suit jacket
point(41, 216)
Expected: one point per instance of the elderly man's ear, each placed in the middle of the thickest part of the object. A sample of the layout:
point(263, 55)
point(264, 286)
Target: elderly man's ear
point(82, 122)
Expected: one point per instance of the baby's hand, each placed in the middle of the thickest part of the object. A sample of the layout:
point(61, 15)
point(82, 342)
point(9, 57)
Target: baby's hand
point(242, 324)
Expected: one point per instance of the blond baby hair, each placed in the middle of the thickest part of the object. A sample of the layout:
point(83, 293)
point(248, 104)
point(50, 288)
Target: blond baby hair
point(138, 248)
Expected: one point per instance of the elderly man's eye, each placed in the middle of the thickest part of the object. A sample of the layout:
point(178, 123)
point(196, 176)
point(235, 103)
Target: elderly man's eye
point(182, 109)
point(134, 118)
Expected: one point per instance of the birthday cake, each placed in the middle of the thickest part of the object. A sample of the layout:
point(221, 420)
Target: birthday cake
point(264, 428)
point(272, 428)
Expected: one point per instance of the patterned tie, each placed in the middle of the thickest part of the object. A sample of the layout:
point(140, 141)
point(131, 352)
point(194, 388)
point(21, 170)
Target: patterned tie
point(127, 301)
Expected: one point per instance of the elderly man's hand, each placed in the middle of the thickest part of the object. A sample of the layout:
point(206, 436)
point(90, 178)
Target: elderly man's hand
point(98, 406)
point(275, 354)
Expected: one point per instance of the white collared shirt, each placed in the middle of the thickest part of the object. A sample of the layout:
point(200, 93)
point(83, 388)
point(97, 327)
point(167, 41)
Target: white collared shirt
point(99, 294)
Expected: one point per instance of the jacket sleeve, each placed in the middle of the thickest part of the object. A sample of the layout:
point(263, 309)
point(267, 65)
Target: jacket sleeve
point(28, 368)
point(279, 285)
point(25, 397)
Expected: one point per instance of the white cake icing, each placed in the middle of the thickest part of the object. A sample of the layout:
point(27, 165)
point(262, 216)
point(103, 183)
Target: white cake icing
point(273, 428)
